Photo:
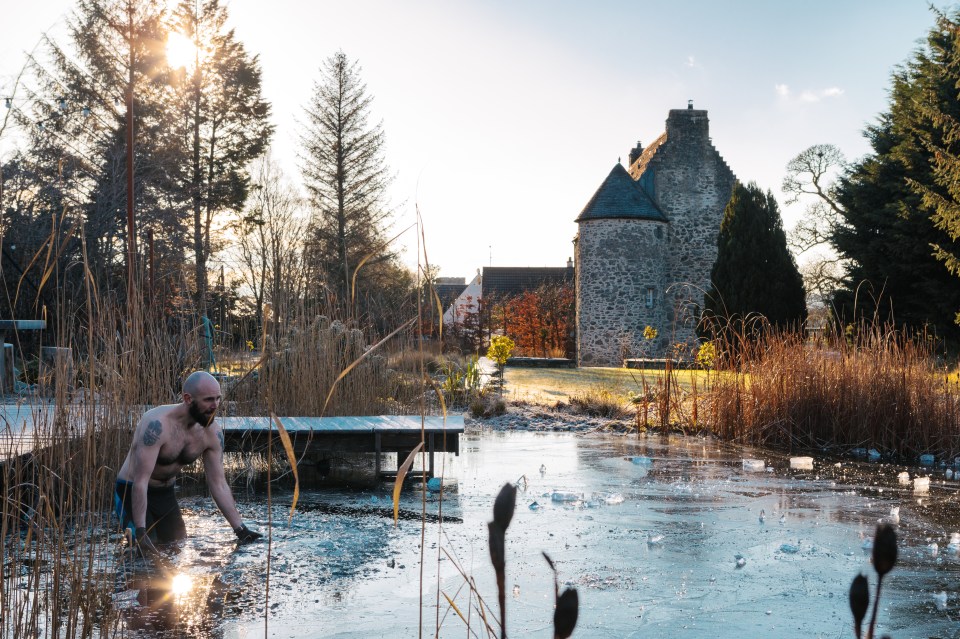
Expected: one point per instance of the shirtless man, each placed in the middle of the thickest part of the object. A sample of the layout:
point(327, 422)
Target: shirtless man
point(167, 439)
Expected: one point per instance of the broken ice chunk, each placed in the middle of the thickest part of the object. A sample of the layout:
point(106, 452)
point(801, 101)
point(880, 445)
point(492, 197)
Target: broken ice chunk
point(801, 463)
point(904, 477)
point(940, 600)
point(954, 545)
point(894, 514)
point(921, 484)
point(753, 465)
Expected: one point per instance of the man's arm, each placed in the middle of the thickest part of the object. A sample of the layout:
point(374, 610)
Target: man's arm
point(147, 440)
point(217, 479)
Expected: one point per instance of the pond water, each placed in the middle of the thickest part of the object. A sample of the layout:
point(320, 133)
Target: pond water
point(652, 548)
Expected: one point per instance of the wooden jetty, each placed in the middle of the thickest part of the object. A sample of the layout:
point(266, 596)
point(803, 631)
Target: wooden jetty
point(23, 427)
point(378, 434)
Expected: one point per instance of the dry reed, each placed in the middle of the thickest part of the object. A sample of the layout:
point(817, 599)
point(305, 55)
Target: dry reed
point(878, 387)
point(58, 538)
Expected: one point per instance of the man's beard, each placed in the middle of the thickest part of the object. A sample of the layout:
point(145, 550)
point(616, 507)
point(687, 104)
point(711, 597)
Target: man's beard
point(199, 416)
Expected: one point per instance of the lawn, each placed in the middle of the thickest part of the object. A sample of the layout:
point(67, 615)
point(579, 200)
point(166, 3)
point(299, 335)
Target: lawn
point(550, 385)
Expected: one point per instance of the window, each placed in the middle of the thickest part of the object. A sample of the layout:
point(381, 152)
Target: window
point(649, 297)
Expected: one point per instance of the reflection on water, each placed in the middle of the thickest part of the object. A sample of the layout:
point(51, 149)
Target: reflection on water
point(673, 545)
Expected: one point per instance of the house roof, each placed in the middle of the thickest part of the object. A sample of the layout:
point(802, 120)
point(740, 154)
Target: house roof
point(448, 293)
point(620, 197)
point(506, 281)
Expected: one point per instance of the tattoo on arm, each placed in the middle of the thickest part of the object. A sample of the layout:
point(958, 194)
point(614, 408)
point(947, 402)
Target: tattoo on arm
point(220, 437)
point(152, 434)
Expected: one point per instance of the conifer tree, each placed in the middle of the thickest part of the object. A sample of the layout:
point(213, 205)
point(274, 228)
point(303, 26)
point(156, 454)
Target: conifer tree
point(347, 180)
point(893, 217)
point(938, 129)
point(224, 123)
point(754, 273)
point(76, 124)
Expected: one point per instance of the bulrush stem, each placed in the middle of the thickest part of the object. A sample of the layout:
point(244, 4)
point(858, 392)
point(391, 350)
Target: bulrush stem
point(876, 604)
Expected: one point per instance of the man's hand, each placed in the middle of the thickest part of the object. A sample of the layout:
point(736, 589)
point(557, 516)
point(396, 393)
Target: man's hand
point(245, 535)
point(142, 540)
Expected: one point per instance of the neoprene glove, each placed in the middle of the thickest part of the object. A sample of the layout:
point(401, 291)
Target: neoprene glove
point(245, 535)
point(142, 539)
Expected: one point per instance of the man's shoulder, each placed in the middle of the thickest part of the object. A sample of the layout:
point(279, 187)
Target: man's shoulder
point(161, 413)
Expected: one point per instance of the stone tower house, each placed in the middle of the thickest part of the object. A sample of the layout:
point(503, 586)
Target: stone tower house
point(646, 244)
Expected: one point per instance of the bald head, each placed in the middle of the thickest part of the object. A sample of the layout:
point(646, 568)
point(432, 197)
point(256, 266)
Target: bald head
point(201, 392)
point(198, 381)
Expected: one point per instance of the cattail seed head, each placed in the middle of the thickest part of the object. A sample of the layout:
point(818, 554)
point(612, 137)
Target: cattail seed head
point(859, 601)
point(565, 614)
point(504, 506)
point(884, 549)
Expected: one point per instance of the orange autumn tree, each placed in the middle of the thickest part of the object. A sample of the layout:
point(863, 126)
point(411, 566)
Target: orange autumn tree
point(541, 321)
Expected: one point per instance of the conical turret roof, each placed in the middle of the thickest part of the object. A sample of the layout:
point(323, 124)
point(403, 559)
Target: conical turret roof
point(620, 197)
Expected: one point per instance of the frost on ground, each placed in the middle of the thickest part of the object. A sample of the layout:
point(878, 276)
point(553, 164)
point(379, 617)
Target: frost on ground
point(524, 416)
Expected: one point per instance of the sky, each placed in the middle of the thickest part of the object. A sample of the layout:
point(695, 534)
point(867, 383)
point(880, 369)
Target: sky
point(502, 118)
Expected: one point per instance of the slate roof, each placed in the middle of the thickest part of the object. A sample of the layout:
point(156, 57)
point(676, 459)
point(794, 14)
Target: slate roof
point(620, 197)
point(506, 281)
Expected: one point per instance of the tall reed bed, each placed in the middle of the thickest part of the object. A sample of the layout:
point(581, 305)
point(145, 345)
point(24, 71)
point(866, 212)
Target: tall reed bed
point(59, 543)
point(874, 387)
point(302, 373)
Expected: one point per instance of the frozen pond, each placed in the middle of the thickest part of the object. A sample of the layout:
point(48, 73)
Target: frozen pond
point(651, 548)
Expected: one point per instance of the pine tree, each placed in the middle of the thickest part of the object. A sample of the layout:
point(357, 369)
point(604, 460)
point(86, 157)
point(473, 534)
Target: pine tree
point(885, 228)
point(938, 89)
point(754, 273)
point(225, 123)
point(347, 180)
point(76, 121)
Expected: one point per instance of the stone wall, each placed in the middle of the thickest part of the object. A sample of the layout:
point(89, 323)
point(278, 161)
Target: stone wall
point(618, 260)
point(691, 184)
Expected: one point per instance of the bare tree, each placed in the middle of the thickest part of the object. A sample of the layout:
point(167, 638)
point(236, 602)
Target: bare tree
point(271, 234)
point(810, 176)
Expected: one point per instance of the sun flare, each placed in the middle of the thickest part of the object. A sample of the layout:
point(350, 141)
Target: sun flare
point(181, 51)
point(181, 584)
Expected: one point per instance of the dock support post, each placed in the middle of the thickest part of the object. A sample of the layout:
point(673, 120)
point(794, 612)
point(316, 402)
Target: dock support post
point(431, 454)
point(376, 449)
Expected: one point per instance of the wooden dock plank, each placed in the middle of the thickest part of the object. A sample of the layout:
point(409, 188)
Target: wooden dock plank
point(346, 424)
point(376, 434)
